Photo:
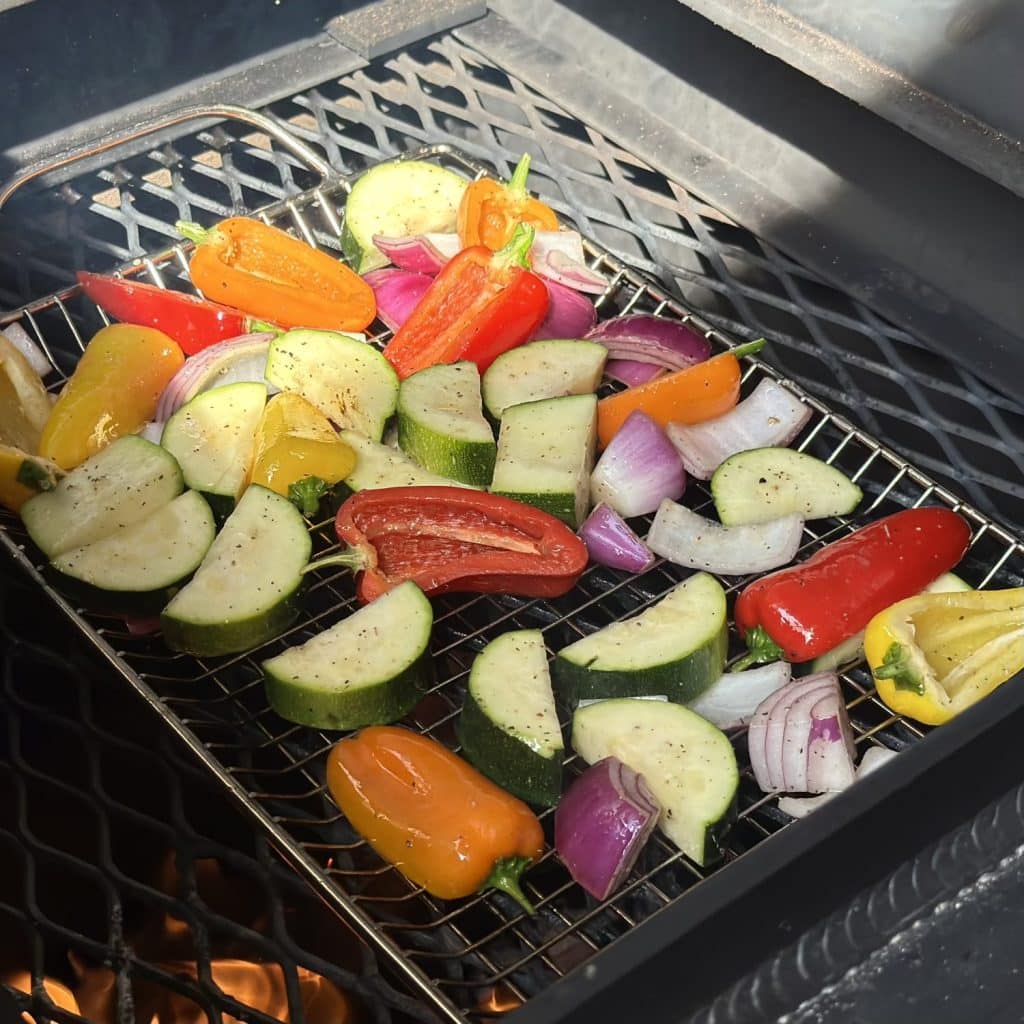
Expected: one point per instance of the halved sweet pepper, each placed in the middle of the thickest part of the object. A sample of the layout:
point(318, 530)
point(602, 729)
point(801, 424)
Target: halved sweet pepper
point(934, 655)
point(455, 539)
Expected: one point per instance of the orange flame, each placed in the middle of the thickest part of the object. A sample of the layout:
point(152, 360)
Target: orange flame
point(501, 999)
point(60, 995)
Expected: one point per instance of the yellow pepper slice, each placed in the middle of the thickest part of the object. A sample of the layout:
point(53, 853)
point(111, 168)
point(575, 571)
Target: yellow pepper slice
point(296, 442)
point(935, 654)
point(24, 402)
point(23, 476)
point(113, 391)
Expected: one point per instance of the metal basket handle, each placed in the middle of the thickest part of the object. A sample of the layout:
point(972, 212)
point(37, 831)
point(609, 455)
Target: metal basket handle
point(273, 126)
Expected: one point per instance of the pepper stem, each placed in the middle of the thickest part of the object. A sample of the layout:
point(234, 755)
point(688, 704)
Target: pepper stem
point(516, 252)
point(517, 183)
point(192, 231)
point(505, 876)
point(761, 648)
point(749, 349)
point(350, 558)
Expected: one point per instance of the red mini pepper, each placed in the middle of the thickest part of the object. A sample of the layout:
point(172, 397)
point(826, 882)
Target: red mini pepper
point(192, 322)
point(455, 539)
point(481, 304)
point(804, 610)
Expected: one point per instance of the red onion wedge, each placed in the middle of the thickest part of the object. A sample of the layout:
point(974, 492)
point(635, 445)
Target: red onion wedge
point(421, 254)
point(830, 753)
point(638, 470)
point(632, 372)
point(731, 701)
point(398, 293)
point(27, 346)
point(228, 362)
point(143, 625)
point(685, 538)
point(570, 314)
point(611, 542)
point(800, 807)
point(769, 418)
point(652, 339)
point(602, 823)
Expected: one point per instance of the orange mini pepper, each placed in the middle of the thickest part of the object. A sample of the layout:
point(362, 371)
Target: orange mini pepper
point(434, 816)
point(268, 274)
point(697, 393)
point(490, 210)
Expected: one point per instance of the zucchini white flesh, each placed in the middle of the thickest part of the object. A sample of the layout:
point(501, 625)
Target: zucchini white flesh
point(213, 437)
point(769, 483)
point(546, 454)
point(676, 647)
point(369, 669)
point(379, 465)
point(119, 485)
point(542, 369)
point(687, 762)
point(397, 200)
point(246, 589)
point(441, 427)
point(509, 726)
point(137, 568)
point(350, 382)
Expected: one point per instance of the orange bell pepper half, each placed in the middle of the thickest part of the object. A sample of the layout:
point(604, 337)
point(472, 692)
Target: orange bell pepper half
point(490, 211)
point(434, 816)
point(268, 274)
point(698, 393)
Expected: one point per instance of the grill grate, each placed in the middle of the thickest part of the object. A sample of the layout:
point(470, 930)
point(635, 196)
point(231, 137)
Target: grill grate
point(476, 956)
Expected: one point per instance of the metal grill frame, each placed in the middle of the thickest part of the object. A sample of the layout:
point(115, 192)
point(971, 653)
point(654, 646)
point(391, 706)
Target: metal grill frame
point(664, 871)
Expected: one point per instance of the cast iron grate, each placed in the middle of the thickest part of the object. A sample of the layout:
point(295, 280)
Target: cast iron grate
point(883, 379)
point(479, 955)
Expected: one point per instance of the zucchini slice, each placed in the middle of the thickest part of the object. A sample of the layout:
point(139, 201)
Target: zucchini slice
point(509, 726)
point(369, 669)
point(349, 381)
point(440, 424)
point(676, 647)
point(213, 437)
point(126, 481)
point(396, 200)
point(542, 369)
point(137, 568)
point(688, 763)
point(546, 453)
point(768, 483)
point(378, 465)
point(246, 589)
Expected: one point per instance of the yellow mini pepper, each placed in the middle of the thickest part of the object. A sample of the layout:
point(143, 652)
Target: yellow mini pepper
point(23, 476)
point(934, 655)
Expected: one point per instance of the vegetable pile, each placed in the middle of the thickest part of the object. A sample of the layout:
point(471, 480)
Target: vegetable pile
point(179, 471)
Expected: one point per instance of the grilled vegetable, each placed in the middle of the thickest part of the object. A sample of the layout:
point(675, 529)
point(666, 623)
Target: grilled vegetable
point(509, 726)
point(546, 454)
point(802, 611)
point(456, 539)
point(245, 591)
point(936, 654)
point(441, 427)
point(731, 702)
point(396, 200)
point(398, 292)
point(368, 669)
point(267, 273)
point(655, 340)
point(688, 765)
point(125, 482)
point(378, 465)
point(611, 542)
point(113, 391)
point(491, 211)
point(480, 305)
point(24, 403)
point(431, 814)
point(569, 315)
point(676, 647)
point(23, 476)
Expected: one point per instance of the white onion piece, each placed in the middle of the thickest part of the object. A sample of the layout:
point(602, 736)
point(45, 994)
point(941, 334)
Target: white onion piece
point(27, 346)
point(153, 431)
point(769, 418)
point(801, 806)
point(685, 538)
point(731, 701)
point(830, 750)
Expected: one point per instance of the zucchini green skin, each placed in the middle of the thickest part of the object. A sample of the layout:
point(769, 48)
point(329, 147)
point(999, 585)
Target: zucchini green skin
point(387, 701)
point(682, 680)
point(561, 505)
point(468, 462)
point(143, 603)
point(508, 761)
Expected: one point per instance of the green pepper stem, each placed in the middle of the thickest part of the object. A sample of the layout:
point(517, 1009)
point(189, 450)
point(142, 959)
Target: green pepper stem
point(761, 648)
point(749, 349)
point(505, 876)
point(263, 327)
point(517, 183)
point(350, 558)
point(192, 231)
point(516, 251)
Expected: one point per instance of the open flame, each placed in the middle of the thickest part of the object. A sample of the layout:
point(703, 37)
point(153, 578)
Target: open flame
point(500, 999)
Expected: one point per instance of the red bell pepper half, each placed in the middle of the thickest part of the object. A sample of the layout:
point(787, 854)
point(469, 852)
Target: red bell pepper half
point(481, 304)
point(455, 539)
point(804, 610)
point(192, 322)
